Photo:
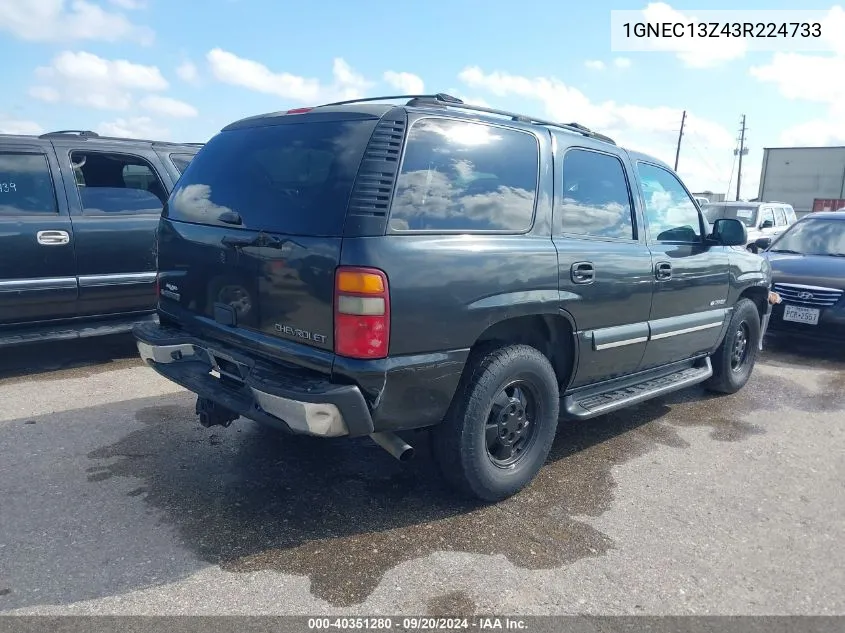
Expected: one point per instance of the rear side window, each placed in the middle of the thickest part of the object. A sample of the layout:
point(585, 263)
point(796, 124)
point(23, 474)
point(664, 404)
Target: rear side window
point(26, 186)
point(791, 218)
point(292, 178)
point(181, 161)
point(780, 217)
point(596, 199)
point(465, 176)
point(117, 184)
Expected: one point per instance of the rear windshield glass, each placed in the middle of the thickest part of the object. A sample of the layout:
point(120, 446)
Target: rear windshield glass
point(292, 178)
point(714, 212)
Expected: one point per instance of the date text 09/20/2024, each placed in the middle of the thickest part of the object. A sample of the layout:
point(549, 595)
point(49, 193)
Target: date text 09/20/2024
point(667, 30)
point(417, 624)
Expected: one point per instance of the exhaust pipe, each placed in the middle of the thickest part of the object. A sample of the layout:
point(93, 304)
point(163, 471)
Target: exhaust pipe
point(394, 445)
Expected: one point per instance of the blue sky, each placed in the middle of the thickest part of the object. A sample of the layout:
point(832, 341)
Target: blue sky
point(181, 70)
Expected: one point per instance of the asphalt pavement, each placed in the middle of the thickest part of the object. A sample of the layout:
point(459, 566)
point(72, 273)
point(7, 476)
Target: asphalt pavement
point(113, 500)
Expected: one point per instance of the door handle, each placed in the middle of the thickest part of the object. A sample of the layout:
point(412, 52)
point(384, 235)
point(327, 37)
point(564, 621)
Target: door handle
point(663, 270)
point(582, 273)
point(52, 238)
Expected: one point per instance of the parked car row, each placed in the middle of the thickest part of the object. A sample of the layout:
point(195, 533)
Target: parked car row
point(78, 215)
point(365, 268)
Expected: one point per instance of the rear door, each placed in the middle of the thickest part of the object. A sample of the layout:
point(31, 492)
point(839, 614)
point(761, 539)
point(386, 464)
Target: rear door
point(116, 196)
point(605, 274)
point(37, 265)
point(252, 234)
point(692, 275)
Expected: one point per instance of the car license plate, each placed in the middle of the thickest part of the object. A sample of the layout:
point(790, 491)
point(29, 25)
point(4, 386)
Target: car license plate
point(800, 314)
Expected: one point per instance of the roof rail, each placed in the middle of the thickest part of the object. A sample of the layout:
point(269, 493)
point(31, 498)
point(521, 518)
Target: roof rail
point(445, 100)
point(81, 133)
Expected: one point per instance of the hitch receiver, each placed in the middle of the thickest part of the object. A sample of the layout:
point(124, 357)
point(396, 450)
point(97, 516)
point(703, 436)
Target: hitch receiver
point(212, 414)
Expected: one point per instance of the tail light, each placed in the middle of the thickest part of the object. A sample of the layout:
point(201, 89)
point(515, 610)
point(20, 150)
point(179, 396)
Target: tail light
point(299, 110)
point(361, 313)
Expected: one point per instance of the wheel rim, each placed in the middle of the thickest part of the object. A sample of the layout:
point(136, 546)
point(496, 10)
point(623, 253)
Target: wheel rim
point(739, 352)
point(512, 424)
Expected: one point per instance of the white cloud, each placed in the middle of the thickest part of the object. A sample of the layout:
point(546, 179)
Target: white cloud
point(188, 72)
point(407, 83)
point(134, 127)
point(130, 5)
point(622, 62)
point(168, 107)
point(238, 71)
point(706, 155)
point(85, 79)
point(9, 125)
point(594, 64)
point(698, 52)
point(807, 77)
point(63, 21)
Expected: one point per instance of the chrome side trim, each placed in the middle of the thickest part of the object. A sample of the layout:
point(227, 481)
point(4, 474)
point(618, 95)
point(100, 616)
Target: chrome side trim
point(120, 279)
point(687, 330)
point(37, 283)
point(630, 341)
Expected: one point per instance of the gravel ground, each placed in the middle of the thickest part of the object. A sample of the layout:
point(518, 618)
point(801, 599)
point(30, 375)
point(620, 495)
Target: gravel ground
point(113, 500)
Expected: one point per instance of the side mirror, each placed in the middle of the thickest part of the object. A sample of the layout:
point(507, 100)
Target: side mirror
point(767, 224)
point(729, 232)
point(763, 243)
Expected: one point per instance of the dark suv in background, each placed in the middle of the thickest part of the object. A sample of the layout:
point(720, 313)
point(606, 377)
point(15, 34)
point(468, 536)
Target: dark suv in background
point(78, 217)
point(364, 268)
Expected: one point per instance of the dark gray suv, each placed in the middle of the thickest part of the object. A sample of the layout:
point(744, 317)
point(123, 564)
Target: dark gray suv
point(365, 268)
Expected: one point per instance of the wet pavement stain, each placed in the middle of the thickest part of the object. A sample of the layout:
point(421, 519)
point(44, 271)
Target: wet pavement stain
point(343, 512)
point(455, 604)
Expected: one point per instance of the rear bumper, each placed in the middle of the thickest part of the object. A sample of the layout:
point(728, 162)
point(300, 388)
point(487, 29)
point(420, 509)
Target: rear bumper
point(287, 397)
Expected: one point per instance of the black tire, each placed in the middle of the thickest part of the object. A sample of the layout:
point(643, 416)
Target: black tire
point(497, 385)
point(731, 366)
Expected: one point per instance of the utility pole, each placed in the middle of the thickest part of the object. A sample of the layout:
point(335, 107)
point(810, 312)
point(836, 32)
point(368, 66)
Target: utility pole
point(741, 152)
point(680, 134)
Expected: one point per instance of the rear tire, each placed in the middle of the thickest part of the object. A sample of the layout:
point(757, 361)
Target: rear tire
point(500, 427)
point(735, 358)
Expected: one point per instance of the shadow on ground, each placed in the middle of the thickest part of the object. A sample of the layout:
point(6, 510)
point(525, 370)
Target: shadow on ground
point(79, 358)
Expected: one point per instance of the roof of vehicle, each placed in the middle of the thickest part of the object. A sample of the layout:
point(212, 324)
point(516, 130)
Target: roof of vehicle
point(88, 135)
point(376, 107)
point(828, 215)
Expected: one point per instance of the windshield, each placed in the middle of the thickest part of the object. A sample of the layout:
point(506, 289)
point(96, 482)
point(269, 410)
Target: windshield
point(292, 178)
point(715, 212)
point(813, 237)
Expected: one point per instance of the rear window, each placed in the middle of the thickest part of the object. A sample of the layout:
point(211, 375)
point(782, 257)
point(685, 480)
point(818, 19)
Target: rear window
point(292, 178)
point(715, 212)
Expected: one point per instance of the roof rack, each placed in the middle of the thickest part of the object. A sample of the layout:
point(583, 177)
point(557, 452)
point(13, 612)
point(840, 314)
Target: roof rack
point(82, 133)
point(444, 100)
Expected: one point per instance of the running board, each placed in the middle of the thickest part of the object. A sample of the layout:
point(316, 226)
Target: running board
point(590, 403)
point(69, 331)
